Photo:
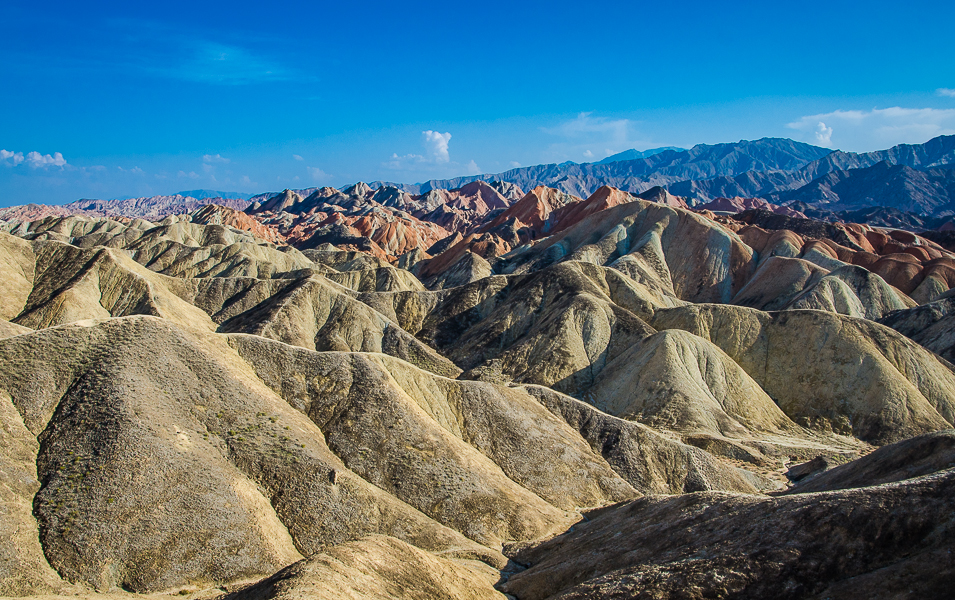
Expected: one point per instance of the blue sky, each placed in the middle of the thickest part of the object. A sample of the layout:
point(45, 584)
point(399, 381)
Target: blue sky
point(108, 99)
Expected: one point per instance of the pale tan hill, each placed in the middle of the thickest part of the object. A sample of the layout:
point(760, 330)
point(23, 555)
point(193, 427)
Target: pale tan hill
point(8, 329)
point(777, 282)
point(703, 261)
point(101, 231)
point(677, 381)
point(165, 461)
point(73, 284)
point(891, 541)
point(782, 283)
point(345, 260)
point(175, 247)
point(317, 314)
point(82, 231)
point(24, 569)
point(470, 267)
point(17, 270)
point(234, 260)
point(855, 292)
point(830, 371)
point(651, 462)
point(373, 568)
point(473, 456)
point(558, 327)
point(408, 309)
point(384, 279)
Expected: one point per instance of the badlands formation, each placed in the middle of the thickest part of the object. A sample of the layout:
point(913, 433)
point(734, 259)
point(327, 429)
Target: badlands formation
point(475, 393)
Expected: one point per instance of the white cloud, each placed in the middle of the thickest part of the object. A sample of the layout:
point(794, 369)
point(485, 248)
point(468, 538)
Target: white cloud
point(11, 159)
point(33, 159)
point(134, 170)
point(949, 92)
point(189, 175)
point(876, 129)
point(317, 174)
point(37, 160)
point(297, 157)
point(588, 154)
point(214, 159)
point(246, 181)
point(824, 135)
point(436, 153)
point(437, 145)
point(514, 164)
point(587, 126)
point(472, 168)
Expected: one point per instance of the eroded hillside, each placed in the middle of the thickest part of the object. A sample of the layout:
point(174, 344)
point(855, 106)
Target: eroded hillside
point(479, 393)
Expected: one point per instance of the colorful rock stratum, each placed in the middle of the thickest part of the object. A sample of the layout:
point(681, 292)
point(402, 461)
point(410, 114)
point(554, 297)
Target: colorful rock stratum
point(474, 393)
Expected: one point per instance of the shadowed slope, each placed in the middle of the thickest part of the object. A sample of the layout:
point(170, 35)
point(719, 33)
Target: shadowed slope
point(898, 536)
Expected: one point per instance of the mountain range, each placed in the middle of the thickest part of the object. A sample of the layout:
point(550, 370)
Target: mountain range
point(914, 179)
point(475, 393)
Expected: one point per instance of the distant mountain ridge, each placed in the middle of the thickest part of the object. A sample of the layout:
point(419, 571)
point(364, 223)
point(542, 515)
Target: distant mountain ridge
point(150, 208)
point(206, 194)
point(633, 154)
point(912, 178)
point(702, 161)
point(937, 154)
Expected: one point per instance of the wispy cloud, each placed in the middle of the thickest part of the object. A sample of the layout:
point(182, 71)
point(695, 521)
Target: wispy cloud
point(133, 171)
point(318, 175)
point(157, 49)
point(863, 130)
point(578, 136)
point(223, 64)
point(189, 175)
point(587, 126)
point(297, 157)
point(948, 92)
point(34, 159)
point(214, 159)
